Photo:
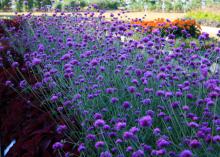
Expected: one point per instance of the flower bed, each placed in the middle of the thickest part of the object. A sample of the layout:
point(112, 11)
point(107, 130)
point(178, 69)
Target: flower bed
point(155, 96)
point(178, 27)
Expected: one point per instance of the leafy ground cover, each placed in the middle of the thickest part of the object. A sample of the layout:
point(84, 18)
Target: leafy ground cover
point(205, 18)
point(153, 95)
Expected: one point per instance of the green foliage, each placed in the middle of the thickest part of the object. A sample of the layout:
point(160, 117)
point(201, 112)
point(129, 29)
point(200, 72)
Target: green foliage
point(194, 4)
point(178, 6)
point(83, 3)
point(59, 6)
point(19, 5)
point(200, 15)
point(30, 4)
point(80, 3)
point(106, 4)
point(4, 4)
point(168, 5)
point(136, 6)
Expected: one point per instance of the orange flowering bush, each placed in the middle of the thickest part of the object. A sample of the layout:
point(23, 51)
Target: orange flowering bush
point(178, 27)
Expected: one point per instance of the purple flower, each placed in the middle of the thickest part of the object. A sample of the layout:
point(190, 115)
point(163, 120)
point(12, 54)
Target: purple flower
point(131, 89)
point(138, 153)
point(145, 121)
point(9, 83)
point(156, 131)
point(23, 84)
point(162, 143)
point(15, 64)
point(194, 143)
point(99, 123)
point(114, 100)
point(110, 90)
point(128, 135)
point(118, 141)
point(106, 127)
point(126, 105)
point(65, 57)
point(94, 62)
point(193, 124)
point(99, 144)
point(148, 74)
point(54, 98)
point(134, 130)
point(36, 61)
point(186, 153)
point(216, 138)
point(146, 101)
point(150, 60)
point(185, 108)
point(97, 116)
point(129, 149)
point(57, 145)
point(146, 147)
point(160, 152)
point(81, 147)
point(120, 125)
point(150, 44)
point(91, 137)
point(106, 154)
point(161, 75)
point(150, 113)
point(61, 128)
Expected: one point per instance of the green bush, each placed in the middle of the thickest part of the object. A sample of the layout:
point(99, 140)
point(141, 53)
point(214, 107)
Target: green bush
point(83, 4)
point(73, 4)
point(151, 6)
point(135, 6)
point(178, 6)
point(106, 4)
point(59, 6)
point(19, 5)
point(168, 5)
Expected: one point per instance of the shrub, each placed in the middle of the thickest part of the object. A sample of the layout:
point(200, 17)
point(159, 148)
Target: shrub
point(136, 6)
point(177, 27)
point(106, 4)
point(59, 6)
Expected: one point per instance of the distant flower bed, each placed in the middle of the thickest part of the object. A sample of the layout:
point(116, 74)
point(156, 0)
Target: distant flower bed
point(178, 27)
point(205, 18)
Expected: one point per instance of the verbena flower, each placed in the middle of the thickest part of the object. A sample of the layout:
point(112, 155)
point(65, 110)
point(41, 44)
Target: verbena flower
point(57, 145)
point(99, 123)
point(145, 121)
point(99, 144)
point(186, 153)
